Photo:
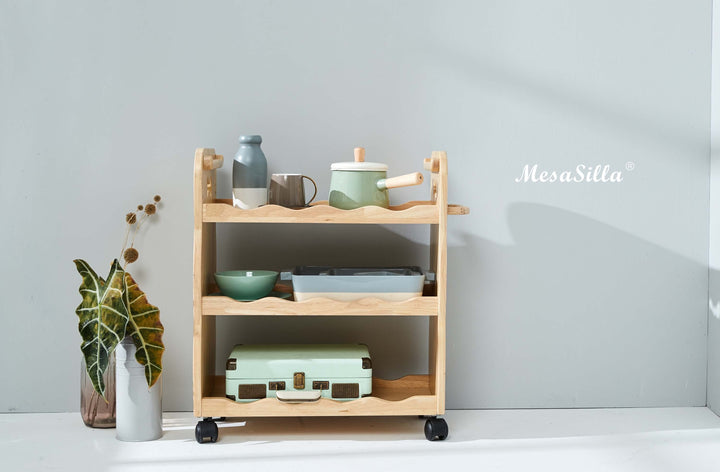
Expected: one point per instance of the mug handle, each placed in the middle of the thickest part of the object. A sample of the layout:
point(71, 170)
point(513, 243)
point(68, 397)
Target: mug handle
point(314, 185)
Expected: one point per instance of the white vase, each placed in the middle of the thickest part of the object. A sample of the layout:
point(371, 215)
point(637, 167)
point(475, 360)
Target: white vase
point(139, 408)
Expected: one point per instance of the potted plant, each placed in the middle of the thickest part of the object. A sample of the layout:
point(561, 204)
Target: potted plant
point(115, 312)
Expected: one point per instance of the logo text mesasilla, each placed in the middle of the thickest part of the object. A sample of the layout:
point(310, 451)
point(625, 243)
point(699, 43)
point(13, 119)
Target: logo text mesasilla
point(589, 174)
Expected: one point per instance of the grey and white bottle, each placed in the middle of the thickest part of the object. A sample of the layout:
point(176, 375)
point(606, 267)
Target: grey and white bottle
point(249, 174)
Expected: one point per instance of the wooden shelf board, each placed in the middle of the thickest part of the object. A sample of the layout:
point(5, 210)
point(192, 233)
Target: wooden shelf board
point(408, 395)
point(215, 305)
point(222, 211)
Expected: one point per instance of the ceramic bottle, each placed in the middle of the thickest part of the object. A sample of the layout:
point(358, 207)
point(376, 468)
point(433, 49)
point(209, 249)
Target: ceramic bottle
point(249, 174)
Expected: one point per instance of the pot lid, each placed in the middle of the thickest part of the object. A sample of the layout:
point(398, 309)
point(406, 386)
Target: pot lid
point(359, 164)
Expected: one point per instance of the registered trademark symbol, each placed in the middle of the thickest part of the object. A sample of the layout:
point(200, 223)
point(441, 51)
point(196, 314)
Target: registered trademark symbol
point(630, 165)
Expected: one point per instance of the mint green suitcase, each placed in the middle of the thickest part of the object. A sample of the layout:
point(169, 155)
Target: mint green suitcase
point(298, 372)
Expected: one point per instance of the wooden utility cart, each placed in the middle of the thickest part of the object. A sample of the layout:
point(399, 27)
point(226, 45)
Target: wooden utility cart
point(422, 395)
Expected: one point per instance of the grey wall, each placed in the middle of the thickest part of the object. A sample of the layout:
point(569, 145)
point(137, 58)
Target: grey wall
point(713, 392)
point(561, 295)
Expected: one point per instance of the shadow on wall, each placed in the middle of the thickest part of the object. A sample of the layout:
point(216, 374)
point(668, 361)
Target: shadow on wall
point(575, 314)
point(713, 394)
point(591, 105)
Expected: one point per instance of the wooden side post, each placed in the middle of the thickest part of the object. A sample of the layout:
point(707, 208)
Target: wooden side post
point(438, 264)
point(204, 264)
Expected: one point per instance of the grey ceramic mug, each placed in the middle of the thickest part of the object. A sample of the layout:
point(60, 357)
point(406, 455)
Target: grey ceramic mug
point(288, 190)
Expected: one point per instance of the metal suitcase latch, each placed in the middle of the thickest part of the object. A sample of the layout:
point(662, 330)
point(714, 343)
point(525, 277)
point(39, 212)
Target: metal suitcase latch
point(299, 380)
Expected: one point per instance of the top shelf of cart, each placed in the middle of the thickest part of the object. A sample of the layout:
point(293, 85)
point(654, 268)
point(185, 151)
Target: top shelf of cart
point(416, 212)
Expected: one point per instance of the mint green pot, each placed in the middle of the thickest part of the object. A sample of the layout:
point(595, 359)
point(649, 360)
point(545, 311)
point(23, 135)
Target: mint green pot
point(351, 189)
point(246, 284)
point(359, 183)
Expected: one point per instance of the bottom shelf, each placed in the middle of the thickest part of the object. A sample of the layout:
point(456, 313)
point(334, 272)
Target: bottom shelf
point(408, 395)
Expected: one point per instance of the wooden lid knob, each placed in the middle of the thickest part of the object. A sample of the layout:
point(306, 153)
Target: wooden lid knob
point(359, 154)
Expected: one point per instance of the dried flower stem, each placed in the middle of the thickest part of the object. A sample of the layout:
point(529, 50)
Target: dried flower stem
point(137, 228)
point(127, 233)
point(128, 253)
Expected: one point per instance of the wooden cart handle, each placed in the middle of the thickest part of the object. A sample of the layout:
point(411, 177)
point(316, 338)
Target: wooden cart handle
point(433, 165)
point(211, 162)
point(416, 178)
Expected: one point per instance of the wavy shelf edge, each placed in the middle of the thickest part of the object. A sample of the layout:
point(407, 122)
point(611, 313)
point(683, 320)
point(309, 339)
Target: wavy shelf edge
point(412, 397)
point(416, 212)
point(218, 305)
point(368, 406)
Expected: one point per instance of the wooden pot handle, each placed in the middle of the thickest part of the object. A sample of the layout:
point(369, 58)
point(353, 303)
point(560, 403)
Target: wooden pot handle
point(416, 178)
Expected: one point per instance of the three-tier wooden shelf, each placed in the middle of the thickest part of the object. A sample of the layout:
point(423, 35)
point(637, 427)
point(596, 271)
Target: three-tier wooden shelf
point(422, 395)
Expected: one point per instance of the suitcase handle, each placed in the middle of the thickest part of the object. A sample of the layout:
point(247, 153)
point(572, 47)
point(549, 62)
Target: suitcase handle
point(304, 396)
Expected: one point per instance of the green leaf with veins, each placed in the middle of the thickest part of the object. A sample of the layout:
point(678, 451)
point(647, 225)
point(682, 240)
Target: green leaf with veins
point(145, 328)
point(103, 318)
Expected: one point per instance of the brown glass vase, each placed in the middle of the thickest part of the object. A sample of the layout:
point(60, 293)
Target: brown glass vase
point(95, 411)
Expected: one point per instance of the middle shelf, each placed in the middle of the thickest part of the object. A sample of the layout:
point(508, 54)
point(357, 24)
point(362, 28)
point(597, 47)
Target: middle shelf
point(215, 305)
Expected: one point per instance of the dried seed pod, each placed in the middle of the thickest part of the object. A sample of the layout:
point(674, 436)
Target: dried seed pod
point(130, 255)
point(131, 218)
point(156, 198)
point(150, 209)
point(140, 207)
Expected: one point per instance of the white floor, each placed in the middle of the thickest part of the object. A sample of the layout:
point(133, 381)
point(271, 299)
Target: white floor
point(638, 440)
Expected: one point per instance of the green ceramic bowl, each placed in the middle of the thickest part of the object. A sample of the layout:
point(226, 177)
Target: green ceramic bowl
point(246, 284)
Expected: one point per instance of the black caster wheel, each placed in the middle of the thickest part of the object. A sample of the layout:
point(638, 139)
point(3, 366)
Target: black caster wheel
point(206, 430)
point(436, 429)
